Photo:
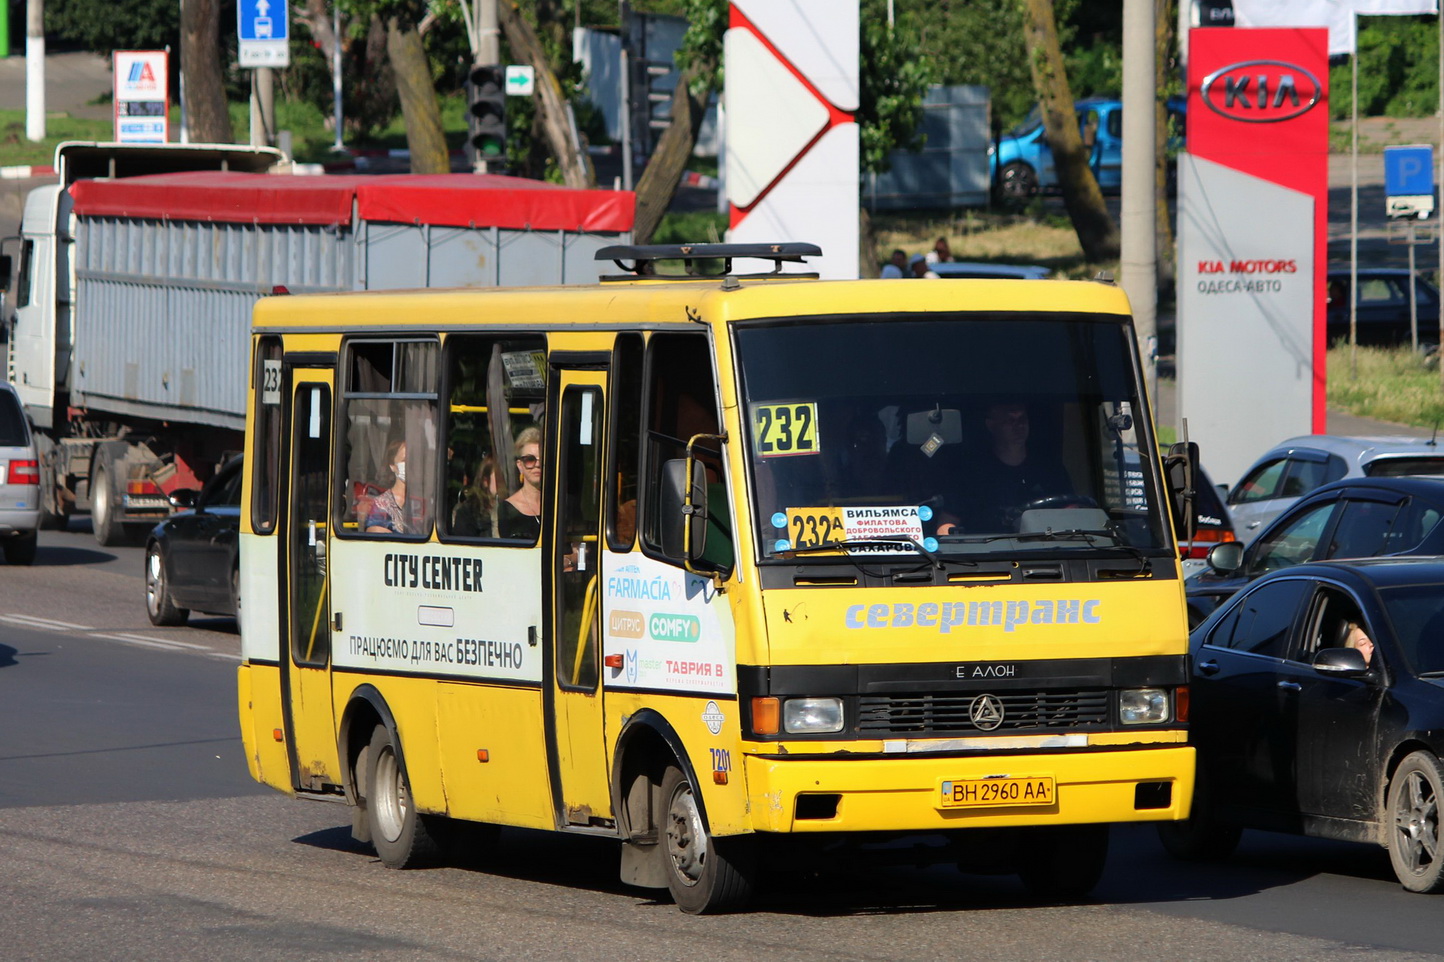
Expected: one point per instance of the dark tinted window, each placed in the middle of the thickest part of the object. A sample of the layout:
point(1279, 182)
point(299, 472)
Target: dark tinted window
point(1416, 521)
point(1402, 467)
point(12, 421)
point(1261, 483)
point(1211, 512)
point(1363, 529)
point(1304, 475)
point(1417, 615)
point(1293, 542)
point(1265, 617)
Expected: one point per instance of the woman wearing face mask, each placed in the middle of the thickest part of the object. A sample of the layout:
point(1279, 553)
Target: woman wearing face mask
point(388, 512)
point(519, 516)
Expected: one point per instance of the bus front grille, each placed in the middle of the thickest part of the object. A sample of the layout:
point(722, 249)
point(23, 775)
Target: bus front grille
point(1040, 711)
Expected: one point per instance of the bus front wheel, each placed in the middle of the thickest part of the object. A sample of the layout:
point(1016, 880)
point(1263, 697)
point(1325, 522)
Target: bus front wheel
point(398, 831)
point(1064, 862)
point(704, 874)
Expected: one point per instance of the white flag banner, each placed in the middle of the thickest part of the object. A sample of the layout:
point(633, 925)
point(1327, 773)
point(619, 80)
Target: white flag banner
point(1338, 15)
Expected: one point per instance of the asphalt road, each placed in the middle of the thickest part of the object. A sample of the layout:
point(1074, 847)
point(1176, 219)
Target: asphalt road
point(129, 829)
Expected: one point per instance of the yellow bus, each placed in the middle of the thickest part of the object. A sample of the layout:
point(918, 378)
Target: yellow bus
point(696, 562)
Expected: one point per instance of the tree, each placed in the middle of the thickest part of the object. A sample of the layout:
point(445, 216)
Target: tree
point(208, 119)
point(701, 61)
point(1097, 233)
point(551, 106)
point(424, 137)
point(366, 75)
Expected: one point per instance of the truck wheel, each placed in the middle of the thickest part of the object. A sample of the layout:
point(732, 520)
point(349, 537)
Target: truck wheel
point(103, 503)
point(1063, 863)
point(158, 606)
point(21, 550)
point(704, 874)
point(398, 831)
point(1017, 181)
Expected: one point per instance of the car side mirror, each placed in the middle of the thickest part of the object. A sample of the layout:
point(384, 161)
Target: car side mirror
point(183, 498)
point(676, 519)
point(1340, 662)
point(1226, 557)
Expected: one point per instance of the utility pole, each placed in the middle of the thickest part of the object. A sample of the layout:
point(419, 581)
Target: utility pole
point(1138, 265)
point(35, 70)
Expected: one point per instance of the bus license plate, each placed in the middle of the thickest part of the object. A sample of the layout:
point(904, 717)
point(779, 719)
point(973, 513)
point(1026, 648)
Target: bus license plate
point(1013, 790)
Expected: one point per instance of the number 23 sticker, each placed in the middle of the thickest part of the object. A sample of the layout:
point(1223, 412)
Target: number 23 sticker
point(785, 429)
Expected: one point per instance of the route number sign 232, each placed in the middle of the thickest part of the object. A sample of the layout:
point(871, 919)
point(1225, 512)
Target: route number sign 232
point(785, 429)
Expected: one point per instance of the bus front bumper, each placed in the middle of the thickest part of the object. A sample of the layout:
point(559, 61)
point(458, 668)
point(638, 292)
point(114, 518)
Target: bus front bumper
point(808, 793)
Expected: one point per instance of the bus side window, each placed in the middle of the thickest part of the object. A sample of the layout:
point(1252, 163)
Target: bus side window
point(681, 396)
point(389, 442)
point(625, 449)
point(495, 391)
point(265, 458)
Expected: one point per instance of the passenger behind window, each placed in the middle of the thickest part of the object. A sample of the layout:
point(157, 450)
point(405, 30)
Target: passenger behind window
point(475, 514)
point(519, 516)
point(387, 513)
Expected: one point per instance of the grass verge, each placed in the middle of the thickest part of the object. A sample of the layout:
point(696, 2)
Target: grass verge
point(1398, 385)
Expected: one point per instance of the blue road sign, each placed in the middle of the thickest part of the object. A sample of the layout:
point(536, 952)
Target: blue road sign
point(262, 20)
point(1408, 171)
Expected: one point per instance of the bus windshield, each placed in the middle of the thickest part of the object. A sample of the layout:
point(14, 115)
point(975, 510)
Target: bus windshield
point(964, 434)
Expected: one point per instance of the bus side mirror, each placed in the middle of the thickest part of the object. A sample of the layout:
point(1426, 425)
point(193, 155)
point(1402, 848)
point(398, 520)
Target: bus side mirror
point(678, 542)
point(1179, 467)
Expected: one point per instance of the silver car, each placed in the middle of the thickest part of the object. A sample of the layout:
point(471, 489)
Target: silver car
point(1297, 466)
point(19, 482)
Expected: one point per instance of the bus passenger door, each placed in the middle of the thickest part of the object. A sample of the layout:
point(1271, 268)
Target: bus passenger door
point(576, 739)
point(311, 735)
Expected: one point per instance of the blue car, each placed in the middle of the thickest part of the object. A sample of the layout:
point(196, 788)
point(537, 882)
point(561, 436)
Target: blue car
point(1021, 163)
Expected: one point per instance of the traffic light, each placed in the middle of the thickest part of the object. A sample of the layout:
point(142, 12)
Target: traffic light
point(487, 120)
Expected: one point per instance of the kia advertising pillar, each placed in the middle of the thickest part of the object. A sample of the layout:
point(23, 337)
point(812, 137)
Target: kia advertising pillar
point(792, 141)
point(1252, 221)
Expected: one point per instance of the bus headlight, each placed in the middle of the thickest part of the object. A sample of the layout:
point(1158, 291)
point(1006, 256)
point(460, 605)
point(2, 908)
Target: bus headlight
point(1143, 706)
point(811, 715)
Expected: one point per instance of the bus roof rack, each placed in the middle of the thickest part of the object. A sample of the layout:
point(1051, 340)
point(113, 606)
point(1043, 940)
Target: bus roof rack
point(643, 258)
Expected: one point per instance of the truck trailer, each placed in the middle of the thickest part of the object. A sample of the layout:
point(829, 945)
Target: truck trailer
point(138, 269)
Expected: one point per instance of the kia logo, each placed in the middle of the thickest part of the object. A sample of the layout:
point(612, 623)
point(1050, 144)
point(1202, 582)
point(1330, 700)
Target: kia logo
point(1261, 91)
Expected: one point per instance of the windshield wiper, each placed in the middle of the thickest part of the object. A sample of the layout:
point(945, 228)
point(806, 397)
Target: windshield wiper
point(863, 542)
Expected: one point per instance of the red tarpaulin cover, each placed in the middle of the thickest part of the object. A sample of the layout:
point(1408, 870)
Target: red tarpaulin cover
point(450, 200)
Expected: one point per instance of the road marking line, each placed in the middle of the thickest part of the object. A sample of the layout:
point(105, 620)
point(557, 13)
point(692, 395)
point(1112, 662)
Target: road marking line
point(132, 640)
point(33, 622)
point(160, 641)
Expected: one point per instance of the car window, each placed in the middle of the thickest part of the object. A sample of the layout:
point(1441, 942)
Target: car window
point(1265, 617)
point(1304, 476)
point(1416, 613)
point(1378, 290)
point(1332, 614)
point(1416, 521)
point(223, 490)
point(12, 421)
point(1208, 504)
point(1293, 541)
point(1402, 467)
point(1261, 484)
point(1363, 529)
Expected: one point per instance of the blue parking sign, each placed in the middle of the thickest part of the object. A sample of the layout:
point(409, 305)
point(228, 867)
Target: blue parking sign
point(1408, 171)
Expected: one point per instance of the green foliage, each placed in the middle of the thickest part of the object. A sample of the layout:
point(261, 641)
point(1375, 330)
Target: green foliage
point(1398, 69)
point(690, 227)
point(1397, 385)
point(702, 43)
point(109, 25)
point(893, 80)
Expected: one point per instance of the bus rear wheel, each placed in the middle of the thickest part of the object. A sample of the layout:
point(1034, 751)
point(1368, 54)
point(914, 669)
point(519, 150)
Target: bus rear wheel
point(398, 831)
point(1061, 863)
point(704, 874)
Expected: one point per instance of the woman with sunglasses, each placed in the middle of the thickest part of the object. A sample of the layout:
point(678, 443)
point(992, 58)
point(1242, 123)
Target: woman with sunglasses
point(519, 516)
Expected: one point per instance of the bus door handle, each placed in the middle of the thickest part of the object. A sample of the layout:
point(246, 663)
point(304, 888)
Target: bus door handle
point(1209, 667)
point(1288, 685)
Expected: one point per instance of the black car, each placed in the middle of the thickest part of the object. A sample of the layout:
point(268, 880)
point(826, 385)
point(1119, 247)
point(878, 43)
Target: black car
point(1317, 708)
point(1383, 311)
point(191, 558)
point(1359, 518)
